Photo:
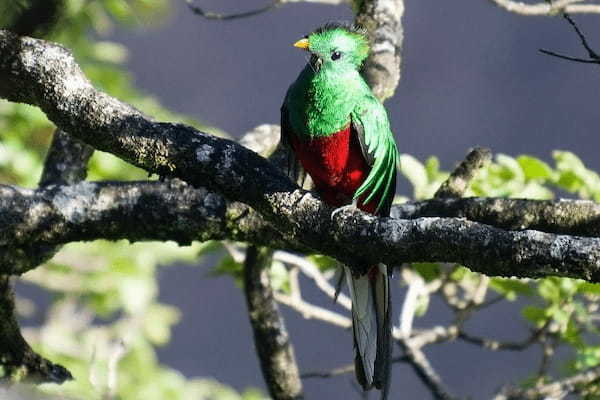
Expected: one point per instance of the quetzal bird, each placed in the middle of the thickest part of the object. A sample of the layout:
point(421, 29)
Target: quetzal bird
point(340, 133)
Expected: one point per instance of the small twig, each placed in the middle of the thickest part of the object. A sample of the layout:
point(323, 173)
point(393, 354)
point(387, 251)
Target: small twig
point(513, 346)
point(310, 311)
point(234, 251)
point(548, 347)
point(569, 58)
point(295, 291)
point(437, 334)
point(490, 302)
point(415, 289)
point(311, 271)
point(119, 351)
point(269, 6)
point(345, 369)
point(480, 291)
point(547, 8)
point(554, 390)
point(592, 54)
point(458, 181)
point(594, 58)
point(424, 370)
point(225, 17)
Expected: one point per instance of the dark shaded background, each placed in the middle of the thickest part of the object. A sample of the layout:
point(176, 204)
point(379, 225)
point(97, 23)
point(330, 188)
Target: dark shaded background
point(471, 76)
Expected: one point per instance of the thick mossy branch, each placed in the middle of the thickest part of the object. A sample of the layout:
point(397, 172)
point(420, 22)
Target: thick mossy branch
point(566, 217)
point(56, 215)
point(35, 221)
point(17, 360)
point(45, 74)
point(66, 163)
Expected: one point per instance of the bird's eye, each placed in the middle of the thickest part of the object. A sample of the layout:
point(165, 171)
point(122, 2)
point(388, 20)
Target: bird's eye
point(336, 55)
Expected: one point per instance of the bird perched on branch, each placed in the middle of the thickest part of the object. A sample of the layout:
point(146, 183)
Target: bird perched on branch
point(340, 134)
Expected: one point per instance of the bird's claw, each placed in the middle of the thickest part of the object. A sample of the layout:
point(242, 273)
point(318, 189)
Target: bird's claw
point(353, 206)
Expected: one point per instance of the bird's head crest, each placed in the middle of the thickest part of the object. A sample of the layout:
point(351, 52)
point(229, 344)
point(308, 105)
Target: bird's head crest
point(337, 43)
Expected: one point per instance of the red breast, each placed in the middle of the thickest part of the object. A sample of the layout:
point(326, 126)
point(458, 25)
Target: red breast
point(336, 165)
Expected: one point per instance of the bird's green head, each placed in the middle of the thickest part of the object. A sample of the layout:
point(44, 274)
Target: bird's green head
point(336, 45)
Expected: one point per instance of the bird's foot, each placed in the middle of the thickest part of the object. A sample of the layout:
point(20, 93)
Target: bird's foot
point(351, 206)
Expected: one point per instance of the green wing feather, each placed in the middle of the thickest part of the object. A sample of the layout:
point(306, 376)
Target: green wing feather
point(376, 139)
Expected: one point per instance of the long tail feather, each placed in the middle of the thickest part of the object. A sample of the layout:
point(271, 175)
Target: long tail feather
point(371, 326)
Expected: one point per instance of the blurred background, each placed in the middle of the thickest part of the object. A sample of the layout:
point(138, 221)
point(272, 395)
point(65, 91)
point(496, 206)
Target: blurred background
point(471, 75)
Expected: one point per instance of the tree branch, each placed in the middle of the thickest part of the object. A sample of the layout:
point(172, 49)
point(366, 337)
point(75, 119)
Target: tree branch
point(383, 21)
point(267, 7)
point(569, 217)
point(495, 345)
point(19, 362)
point(224, 17)
point(458, 181)
point(66, 161)
point(547, 8)
point(556, 390)
point(417, 359)
point(271, 339)
point(45, 74)
point(594, 58)
point(345, 369)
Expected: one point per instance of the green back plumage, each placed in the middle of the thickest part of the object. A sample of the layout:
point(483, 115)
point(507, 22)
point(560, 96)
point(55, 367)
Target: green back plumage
point(330, 93)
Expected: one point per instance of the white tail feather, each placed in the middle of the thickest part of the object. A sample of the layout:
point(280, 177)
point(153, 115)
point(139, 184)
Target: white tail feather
point(364, 318)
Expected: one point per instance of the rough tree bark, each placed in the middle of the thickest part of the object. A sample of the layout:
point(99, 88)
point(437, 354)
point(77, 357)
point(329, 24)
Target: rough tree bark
point(46, 75)
point(225, 191)
point(272, 341)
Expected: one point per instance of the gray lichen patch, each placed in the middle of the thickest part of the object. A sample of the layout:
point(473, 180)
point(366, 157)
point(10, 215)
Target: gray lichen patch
point(74, 201)
point(203, 153)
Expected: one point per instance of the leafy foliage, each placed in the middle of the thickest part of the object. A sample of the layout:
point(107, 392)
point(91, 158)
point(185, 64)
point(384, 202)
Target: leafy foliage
point(568, 307)
point(105, 305)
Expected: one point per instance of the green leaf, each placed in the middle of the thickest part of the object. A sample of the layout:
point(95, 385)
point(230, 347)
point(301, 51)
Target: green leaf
point(324, 263)
point(208, 247)
point(549, 290)
point(227, 266)
point(280, 278)
point(136, 293)
point(560, 315)
point(461, 273)
point(110, 52)
point(588, 357)
point(429, 271)
point(534, 168)
point(510, 168)
point(589, 288)
point(158, 320)
point(422, 305)
point(511, 288)
point(535, 315)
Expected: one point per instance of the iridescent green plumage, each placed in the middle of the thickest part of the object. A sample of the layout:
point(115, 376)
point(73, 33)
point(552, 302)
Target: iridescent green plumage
point(341, 135)
point(330, 93)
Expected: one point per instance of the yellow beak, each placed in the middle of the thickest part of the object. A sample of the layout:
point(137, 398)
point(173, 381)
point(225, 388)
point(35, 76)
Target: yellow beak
point(302, 44)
